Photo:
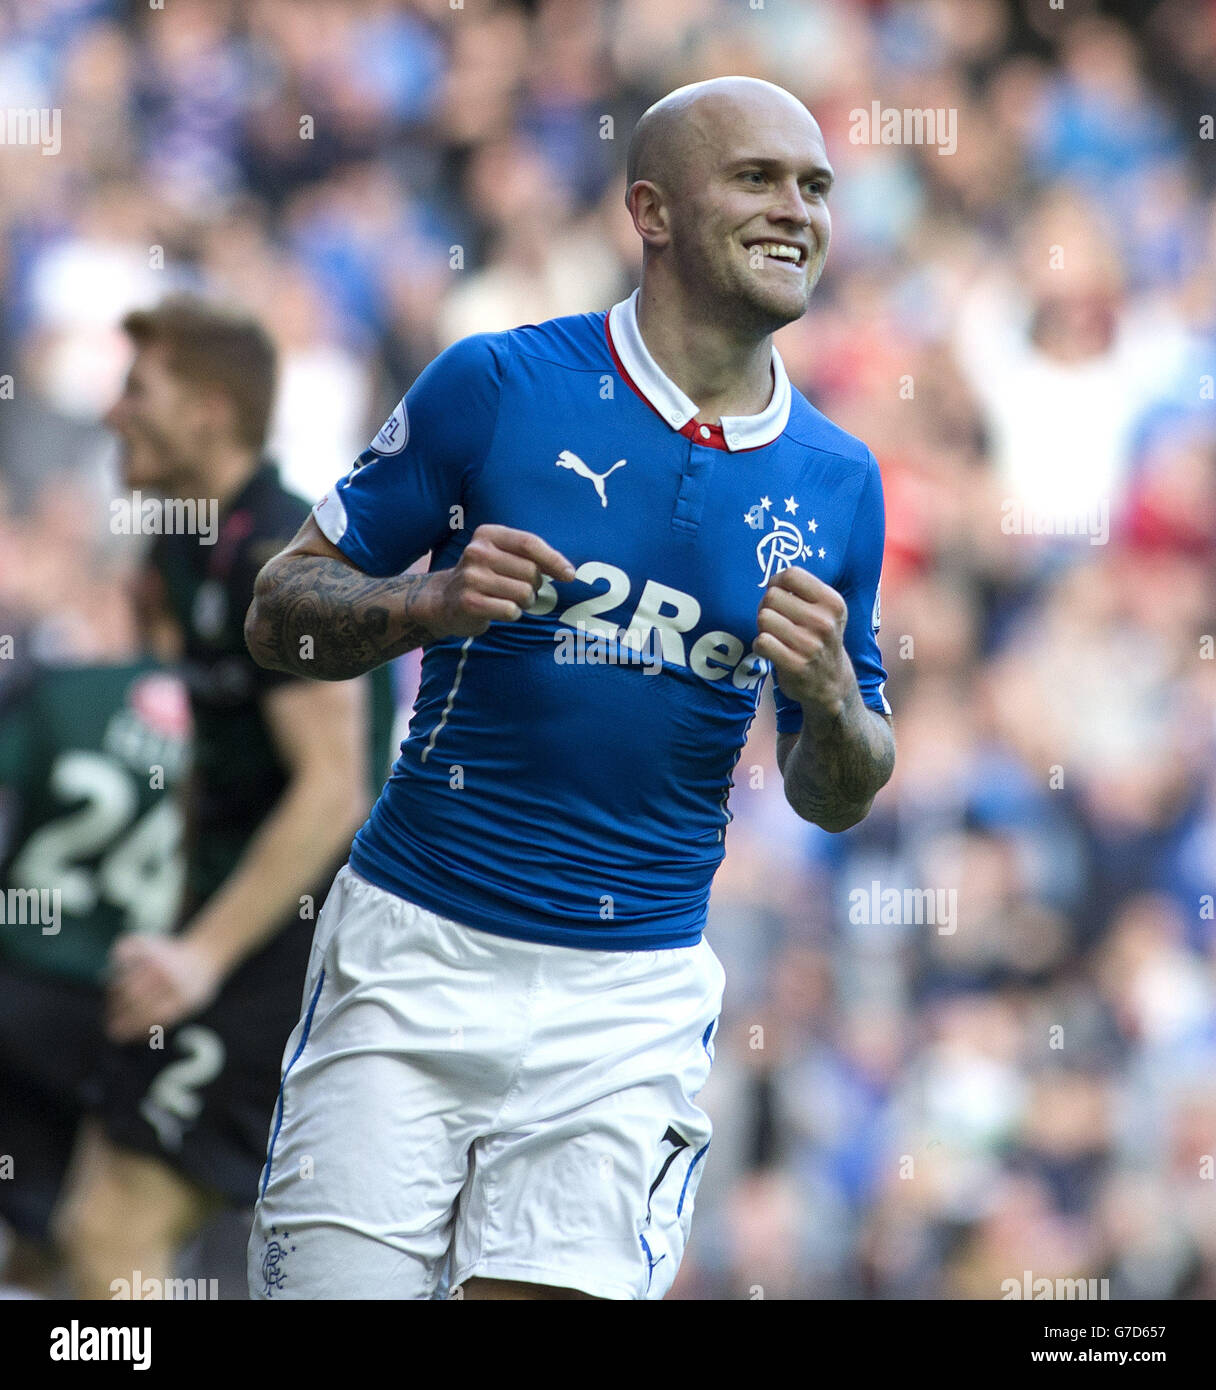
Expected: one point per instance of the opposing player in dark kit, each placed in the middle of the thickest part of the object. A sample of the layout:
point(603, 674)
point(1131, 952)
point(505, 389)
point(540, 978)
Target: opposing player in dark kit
point(91, 758)
point(281, 773)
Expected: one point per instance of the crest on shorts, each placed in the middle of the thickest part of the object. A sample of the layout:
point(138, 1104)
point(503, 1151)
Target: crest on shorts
point(274, 1254)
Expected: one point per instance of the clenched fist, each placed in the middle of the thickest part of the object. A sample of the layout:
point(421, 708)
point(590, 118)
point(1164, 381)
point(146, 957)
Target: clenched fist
point(156, 980)
point(801, 622)
point(495, 580)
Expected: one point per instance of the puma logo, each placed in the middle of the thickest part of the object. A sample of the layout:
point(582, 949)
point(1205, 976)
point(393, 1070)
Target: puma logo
point(566, 459)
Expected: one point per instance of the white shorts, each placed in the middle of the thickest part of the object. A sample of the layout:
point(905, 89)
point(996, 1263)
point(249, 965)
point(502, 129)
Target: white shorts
point(458, 1104)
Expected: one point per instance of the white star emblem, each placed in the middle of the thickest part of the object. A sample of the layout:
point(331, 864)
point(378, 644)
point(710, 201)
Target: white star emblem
point(812, 526)
point(791, 506)
point(765, 503)
point(822, 552)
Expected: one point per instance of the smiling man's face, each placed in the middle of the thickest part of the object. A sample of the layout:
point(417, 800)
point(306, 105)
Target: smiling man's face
point(749, 220)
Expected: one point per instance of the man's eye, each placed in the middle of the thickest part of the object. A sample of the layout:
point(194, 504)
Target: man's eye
point(752, 174)
point(816, 187)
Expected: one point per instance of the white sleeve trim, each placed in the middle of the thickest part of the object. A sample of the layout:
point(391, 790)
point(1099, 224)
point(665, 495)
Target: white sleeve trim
point(331, 516)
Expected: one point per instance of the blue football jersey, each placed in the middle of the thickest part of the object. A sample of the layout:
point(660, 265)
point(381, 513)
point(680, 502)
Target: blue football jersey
point(566, 776)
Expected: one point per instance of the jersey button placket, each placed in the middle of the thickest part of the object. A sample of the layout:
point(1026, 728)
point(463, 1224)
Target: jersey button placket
point(690, 501)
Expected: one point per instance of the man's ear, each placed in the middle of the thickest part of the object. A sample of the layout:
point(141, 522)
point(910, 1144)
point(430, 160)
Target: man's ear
point(648, 207)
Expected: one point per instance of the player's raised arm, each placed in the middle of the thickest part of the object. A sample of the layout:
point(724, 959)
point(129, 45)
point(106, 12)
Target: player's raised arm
point(336, 602)
point(316, 614)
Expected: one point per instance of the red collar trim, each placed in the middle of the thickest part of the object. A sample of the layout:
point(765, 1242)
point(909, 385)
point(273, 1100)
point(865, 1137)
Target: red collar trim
point(710, 436)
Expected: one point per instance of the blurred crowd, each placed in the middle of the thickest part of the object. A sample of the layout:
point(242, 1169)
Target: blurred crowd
point(1024, 332)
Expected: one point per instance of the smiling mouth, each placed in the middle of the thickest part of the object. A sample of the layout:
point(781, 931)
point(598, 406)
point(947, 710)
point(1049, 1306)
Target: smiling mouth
point(781, 253)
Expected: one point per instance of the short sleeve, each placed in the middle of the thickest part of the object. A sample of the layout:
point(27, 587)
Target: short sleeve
point(859, 585)
point(395, 504)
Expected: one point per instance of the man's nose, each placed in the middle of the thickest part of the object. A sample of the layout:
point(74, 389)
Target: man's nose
point(790, 206)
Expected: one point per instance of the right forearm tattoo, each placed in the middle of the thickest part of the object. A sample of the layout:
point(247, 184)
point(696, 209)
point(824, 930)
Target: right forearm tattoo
point(321, 618)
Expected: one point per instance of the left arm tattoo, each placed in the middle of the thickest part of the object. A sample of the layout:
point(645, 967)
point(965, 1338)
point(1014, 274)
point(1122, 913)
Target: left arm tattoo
point(835, 767)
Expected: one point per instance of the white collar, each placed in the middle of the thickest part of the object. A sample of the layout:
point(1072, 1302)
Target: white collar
point(740, 431)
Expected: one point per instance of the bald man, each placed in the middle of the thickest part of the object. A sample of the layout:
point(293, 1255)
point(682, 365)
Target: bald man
point(633, 519)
